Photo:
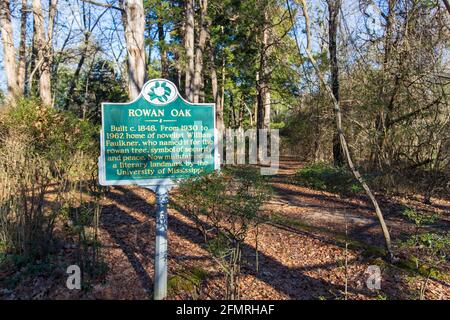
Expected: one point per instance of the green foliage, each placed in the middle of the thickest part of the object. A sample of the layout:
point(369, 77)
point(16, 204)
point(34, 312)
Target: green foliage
point(427, 254)
point(43, 151)
point(322, 176)
point(96, 84)
point(53, 134)
point(277, 125)
point(419, 218)
point(187, 281)
point(225, 205)
point(236, 193)
point(438, 244)
point(105, 85)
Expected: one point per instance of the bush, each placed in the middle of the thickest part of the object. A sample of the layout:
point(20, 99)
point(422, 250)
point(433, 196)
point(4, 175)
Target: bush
point(419, 218)
point(224, 207)
point(53, 134)
point(321, 176)
point(44, 153)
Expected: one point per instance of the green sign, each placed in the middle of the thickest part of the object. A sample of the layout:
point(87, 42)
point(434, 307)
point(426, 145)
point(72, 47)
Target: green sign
point(157, 139)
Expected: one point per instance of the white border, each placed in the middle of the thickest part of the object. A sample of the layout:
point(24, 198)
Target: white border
point(149, 182)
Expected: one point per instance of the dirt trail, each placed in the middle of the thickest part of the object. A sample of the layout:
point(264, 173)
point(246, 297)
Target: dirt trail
point(330, 211)
point(300, 253)
point(294, 263)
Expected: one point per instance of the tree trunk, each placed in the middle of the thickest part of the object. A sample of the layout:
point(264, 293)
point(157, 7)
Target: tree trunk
point(9, 52)
point(333, 12)
point(162, 49)
point(133, 19)
point(198, 74)
point(51, 26)
point(264, 75)
point(262, 79)
point(76, 75)
point(215, 91)
point(259, 104)
point(222, 84)
point(50, 30)
point(21, 68)
point(447, 5)
point(377, 155)
point(189, 46)
point(43, 54)
point(267, 107)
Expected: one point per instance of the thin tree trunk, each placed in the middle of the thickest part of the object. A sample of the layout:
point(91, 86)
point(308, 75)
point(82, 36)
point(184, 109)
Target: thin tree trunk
point(343, 141)
point(222, 84)
point(377, 155)
point(267, 107)
point(262, 79)
point(162, 49)
point(51, 25)
point(133, 19)
point(333, 12)
point(447, 5)
point(9, 51)
point(88, 27)
point(77, 72)
point(266, 97)
point(76, 75)
point(189, 46)
point(50, 31)
point(259, 104)
point(43, 54)
point(215, 91)
point(198, 73)
point(21, 68)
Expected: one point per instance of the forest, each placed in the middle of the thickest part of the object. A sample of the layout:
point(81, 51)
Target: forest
point(356, 92)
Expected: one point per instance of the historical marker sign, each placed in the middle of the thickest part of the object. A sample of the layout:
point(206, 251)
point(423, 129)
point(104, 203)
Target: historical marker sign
point(156, 139)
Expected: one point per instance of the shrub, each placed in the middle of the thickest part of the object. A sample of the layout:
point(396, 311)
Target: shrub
point(44, 153)
point(52, 134)
point(322, 176)
point(224, 207)
point(428, 255)
point(419, 219)
point(187, 281)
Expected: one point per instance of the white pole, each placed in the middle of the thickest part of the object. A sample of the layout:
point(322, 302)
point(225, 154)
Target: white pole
point(162, 199)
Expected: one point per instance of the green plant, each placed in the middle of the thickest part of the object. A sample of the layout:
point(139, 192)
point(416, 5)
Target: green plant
point(44, 152)
point(325, 177)
point(420, 219)
point(187, 281)
point(426, 254)
point(224, 207)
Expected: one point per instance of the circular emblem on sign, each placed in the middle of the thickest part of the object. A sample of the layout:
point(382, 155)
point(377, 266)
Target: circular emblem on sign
point(159, 91)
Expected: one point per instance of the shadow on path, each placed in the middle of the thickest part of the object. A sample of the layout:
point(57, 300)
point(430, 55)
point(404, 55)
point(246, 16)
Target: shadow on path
point(290, 281)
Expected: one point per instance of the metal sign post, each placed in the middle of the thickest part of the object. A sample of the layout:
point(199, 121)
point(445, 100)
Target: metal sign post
point(160, 285)
point(154, 141)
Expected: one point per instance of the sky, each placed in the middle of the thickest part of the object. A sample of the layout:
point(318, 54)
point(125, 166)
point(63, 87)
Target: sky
point(108, 32)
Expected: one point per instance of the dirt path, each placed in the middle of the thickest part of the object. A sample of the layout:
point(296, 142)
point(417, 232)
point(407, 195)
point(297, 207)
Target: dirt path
point(300, 254)
point(331, 212)
point(294, 263)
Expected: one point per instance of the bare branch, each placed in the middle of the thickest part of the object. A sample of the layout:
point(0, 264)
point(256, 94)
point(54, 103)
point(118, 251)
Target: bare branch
point(104, 5)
